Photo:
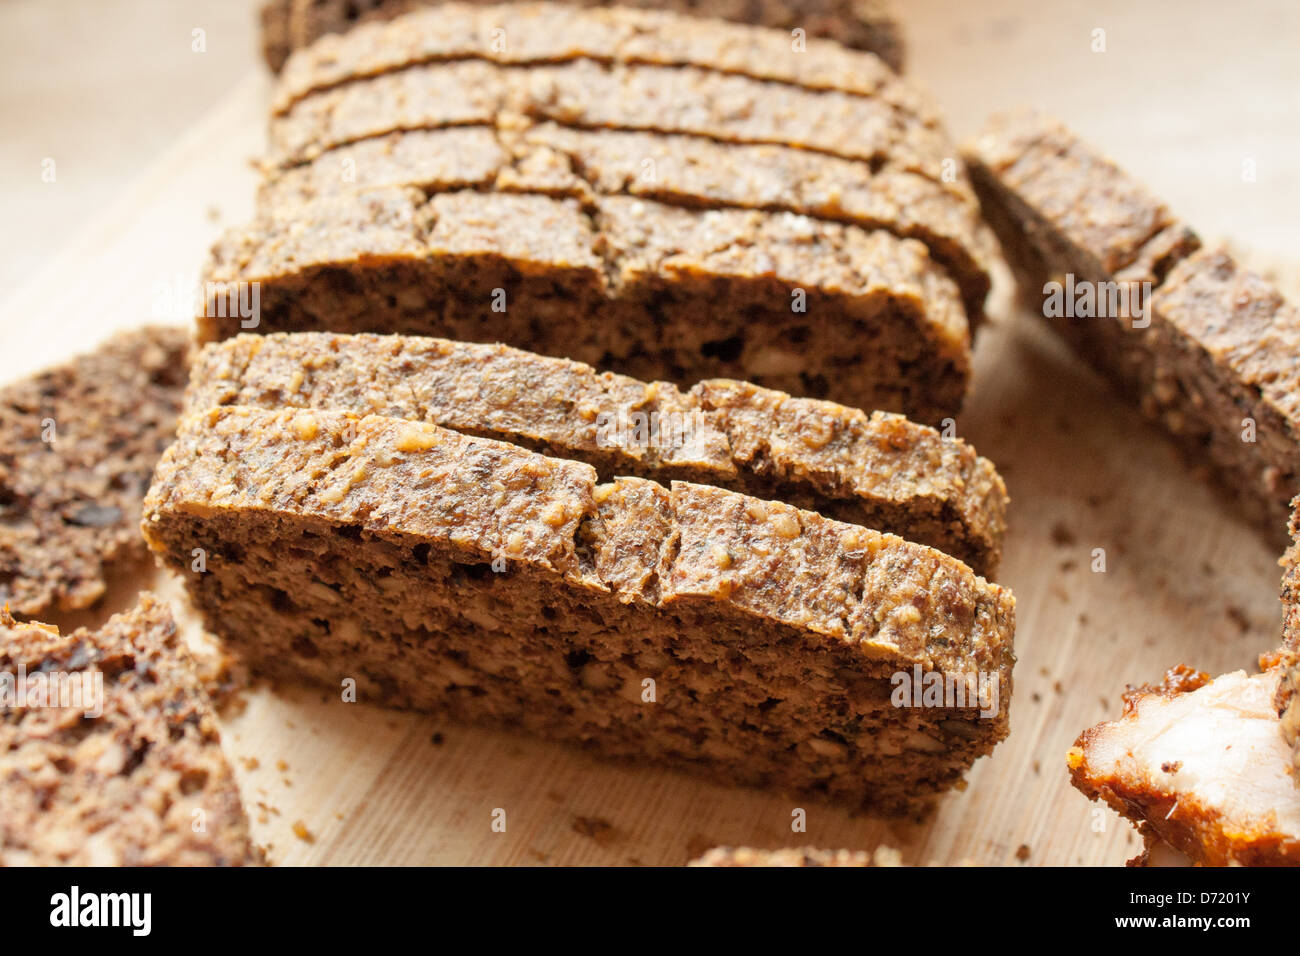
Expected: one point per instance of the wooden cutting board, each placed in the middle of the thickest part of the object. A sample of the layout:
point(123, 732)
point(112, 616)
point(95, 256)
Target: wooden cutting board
point(1182, 97)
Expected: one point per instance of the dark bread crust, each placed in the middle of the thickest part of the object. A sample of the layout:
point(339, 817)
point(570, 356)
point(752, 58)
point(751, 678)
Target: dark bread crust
point(364, 547)
point(868, 25)
point(880, 471)
point(70, 507)
point(1218, 365)
point(143, 784)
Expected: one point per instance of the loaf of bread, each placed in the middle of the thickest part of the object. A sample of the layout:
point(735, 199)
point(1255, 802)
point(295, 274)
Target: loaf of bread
point(663, 197)
point(77, 446)
point(1211, 352)
point(743, 639)
point(109, 751)
point(1200, 765)
point(880, 471)
point(289, 25)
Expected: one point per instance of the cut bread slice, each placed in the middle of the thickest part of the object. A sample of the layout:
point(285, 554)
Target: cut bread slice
point(693, 626)
point(880, 471)
point(290, 25)
point(77, 446)
point(1288, 656)
point(645, 289)
point(109, 750)
point(1205, 348)
point(1200, 764)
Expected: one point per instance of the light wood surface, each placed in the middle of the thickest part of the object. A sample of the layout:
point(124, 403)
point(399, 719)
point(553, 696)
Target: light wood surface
point(1184, 94)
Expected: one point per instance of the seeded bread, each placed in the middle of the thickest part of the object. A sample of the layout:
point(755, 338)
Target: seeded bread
point(131, 774)
point(743, 639)
point(288, 25)
point(878, 470)
point(1219, 364)
point(77, 446)
point(665, 198)
point(678, 170)
point(1198, 763)
point(803, 856)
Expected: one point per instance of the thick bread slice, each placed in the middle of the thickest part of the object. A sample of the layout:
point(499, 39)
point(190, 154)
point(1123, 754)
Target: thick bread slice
point(1200, 764)
point(744, 639)
point(648, 290)
point(540, 33)
point(880, 471)
point(585, 94)
point(1218, 365)
point(689, 171)
point(112, 756)
point(77, 446)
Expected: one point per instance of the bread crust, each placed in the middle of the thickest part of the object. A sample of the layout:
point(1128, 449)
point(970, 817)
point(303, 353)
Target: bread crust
point(1216, 366)
point(880, 471)
point(868, 25)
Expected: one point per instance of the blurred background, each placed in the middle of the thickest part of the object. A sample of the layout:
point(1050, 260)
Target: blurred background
point(1186, 92)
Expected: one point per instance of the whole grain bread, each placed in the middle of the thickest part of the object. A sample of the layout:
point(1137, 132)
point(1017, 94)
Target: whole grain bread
point(119, 763)
point(693, 626)
point(880, 470)
point(666, 198)
point(678, 170)
point(77, 446)
point(1214, 357)
point(289, 25)
point(1288, 687)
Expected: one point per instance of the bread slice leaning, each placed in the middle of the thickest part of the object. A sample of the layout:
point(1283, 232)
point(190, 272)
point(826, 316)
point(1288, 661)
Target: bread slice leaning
point(1205, 348)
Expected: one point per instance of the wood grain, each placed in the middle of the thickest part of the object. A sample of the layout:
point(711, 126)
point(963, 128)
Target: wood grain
point(1185, 581)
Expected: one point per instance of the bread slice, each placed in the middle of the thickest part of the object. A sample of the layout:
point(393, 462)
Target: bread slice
point(678, 170)
point(1200, 764)
point(1288, 655)
point(648, 290)
point(881, 471)
point(77, 446)
point(109, 751)
point(1214, 357)
point(743, 639)
point(800, 857)
point(289, 25)
point(664, 197)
